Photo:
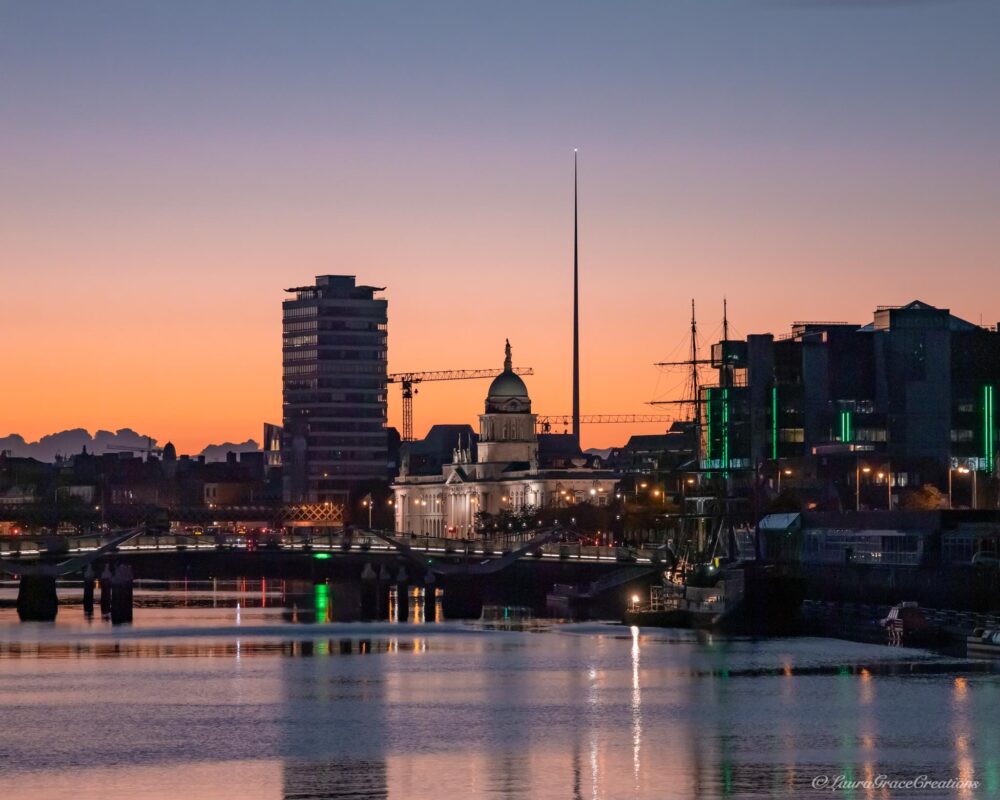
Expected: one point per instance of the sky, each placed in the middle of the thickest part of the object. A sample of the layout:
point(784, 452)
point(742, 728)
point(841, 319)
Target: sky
point(169, 168)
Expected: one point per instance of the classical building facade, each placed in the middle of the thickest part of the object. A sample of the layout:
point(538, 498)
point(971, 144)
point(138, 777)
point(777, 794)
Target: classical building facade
point(509, 468)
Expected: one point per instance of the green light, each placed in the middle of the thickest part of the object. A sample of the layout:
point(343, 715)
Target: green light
point(846, 426)
point(988, 428)
point(322, 602)
point(708, 425)
point(321, 556)
point(725, 429)
point(774, 423)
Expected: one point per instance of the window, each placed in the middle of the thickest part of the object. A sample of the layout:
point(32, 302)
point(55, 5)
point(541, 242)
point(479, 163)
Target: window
point(304, 311)
point(298, 341)
point(791, 435)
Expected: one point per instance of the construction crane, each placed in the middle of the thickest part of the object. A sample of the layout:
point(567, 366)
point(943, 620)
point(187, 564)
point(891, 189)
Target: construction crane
point(407, 379)
point(544, 424)
point(148, 450)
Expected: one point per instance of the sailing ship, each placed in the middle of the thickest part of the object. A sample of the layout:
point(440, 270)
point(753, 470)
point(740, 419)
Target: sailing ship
point(727, 583)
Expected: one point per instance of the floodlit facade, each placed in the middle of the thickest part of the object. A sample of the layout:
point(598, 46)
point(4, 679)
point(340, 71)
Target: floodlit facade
point(507, 469)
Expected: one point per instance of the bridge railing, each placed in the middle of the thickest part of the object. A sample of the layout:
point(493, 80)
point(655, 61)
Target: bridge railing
point(333, 542)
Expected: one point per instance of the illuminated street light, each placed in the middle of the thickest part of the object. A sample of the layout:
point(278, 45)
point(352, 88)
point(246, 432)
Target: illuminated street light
point(786, 472)
point(858, 469)
point(962, 471)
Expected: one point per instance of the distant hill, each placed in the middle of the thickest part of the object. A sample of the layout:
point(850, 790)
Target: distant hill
point(72, 442)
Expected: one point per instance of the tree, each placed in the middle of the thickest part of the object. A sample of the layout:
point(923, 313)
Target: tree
point(927, 498)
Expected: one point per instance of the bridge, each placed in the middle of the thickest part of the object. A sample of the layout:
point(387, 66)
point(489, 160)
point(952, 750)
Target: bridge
point(438, 555)
point(37, 560)
point(127, 515)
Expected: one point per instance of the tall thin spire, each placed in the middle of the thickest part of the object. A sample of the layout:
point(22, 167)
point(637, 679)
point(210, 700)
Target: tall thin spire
point(576, 310)
point(695, 388)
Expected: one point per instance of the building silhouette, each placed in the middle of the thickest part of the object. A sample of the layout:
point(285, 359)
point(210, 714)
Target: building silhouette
point(899, 402)
point(334, 389)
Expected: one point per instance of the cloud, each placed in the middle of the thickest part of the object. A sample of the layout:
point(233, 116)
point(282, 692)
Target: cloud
point(72, 442)
point(217, 452)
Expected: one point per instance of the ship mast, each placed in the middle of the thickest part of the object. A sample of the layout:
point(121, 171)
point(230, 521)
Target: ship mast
point(693, 394)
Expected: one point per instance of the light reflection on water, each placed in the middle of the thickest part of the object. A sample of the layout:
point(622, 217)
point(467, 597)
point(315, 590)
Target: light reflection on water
point(189, 703)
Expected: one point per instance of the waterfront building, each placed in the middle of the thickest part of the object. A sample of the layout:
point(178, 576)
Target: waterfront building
point(903, 401)
point(652, 454)
point(508, 467)
point(334, 390)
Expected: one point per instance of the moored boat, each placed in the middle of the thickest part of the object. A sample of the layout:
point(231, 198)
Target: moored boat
point(706, 598)
point(983, 642)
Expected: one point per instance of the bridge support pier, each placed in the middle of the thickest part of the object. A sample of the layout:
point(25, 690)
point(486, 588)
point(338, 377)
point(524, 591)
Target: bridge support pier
point(369, 593)
point(36, 598)
point(402, 595)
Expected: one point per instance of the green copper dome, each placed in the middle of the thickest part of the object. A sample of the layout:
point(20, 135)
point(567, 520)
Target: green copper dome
point(507, 393)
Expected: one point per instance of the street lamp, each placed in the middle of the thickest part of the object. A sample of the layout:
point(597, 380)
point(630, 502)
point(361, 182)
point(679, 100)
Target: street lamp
point(787, 473)
point(963, 471)
point(888, 487)
point(858, 469)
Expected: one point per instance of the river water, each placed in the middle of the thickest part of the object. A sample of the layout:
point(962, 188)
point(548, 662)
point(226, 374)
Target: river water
point(195, 701)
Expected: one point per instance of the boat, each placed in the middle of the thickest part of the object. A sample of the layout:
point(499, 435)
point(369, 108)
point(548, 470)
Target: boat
point(708, 597)
point(906, 623)
point(735, 595)
point(983, 642)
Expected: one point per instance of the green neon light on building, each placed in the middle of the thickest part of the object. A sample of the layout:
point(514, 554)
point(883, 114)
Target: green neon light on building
point(725, 429)
point(774, 423)
point(989, 428)
point(846, 426)
point(708, 424)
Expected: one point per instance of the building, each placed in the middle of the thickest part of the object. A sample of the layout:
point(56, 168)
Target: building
point(271, 446)
point(651, 454)
point(507, 468)
point(334, 390)
point(906, 400)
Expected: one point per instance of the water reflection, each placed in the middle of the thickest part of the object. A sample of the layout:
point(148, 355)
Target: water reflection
point(636, 710)
point(389, 710)
point(240, 648)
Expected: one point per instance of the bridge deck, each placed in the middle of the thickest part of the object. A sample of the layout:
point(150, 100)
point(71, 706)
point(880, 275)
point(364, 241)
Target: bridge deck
point(330, 545)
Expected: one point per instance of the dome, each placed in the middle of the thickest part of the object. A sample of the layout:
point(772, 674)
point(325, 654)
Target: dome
point(507, 385)
point(507, 393)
